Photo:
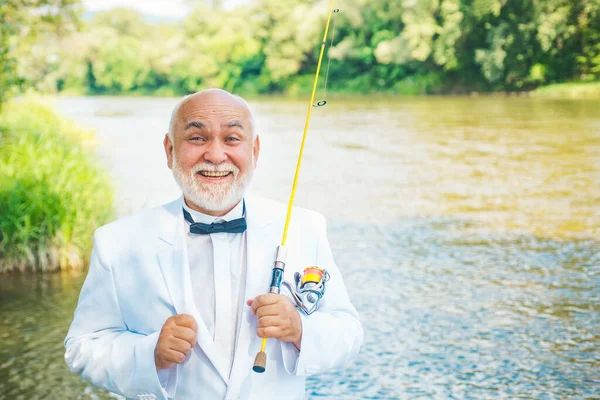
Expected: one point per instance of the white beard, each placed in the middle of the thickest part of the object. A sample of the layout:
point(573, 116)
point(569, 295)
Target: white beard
point(214, 197)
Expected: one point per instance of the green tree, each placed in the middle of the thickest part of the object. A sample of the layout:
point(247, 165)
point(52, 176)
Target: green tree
point(21, 21)
point(402, 46)
point(217, 47)
point(588, 56)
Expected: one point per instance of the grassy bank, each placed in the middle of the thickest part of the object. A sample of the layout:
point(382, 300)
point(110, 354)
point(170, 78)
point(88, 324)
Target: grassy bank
point(573, 90)
point(52, 193)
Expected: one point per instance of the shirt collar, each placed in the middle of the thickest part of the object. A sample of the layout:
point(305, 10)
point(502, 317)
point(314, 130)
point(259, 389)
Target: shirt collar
point(197, 216)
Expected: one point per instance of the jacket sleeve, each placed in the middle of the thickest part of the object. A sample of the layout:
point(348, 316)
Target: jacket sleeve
point(331, 335)
point(99, 345)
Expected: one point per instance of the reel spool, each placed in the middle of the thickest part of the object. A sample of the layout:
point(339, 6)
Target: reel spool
point(311, 275)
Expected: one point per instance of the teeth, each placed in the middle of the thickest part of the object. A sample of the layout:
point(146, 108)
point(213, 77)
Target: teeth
point(215, 174)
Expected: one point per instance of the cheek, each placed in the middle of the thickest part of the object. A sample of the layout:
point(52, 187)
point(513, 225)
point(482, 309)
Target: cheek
point(243, 159)
point(188, 156)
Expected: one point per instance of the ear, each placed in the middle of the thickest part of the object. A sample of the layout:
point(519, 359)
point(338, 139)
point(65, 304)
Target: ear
point(168, 150)
point(255, 149)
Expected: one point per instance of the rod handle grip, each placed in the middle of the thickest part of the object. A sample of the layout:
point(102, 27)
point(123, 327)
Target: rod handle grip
point(260, 362)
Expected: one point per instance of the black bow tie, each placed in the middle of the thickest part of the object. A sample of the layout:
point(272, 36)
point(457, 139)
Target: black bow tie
point(234, 226)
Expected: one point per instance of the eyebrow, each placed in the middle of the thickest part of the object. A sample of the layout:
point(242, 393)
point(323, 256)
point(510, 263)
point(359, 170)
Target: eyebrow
point(200, 125)
point(195, 124)
point(234, 123)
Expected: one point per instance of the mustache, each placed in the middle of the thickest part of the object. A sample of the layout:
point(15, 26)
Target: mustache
point(224, 167)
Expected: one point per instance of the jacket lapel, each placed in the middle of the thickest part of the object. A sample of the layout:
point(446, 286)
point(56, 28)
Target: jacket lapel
point(173, 260)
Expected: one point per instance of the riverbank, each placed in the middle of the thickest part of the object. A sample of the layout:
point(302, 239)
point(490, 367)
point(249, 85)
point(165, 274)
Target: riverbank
point(406, 88)
point(53, 195)
point(571, 90)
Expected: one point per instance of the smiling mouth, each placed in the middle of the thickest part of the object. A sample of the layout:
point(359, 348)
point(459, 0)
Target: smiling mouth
point(215, 174)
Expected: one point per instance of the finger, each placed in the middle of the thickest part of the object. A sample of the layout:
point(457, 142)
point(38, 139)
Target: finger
point(249, 302)
point(179, 345)
point(163, 365)
point(265, 299)
point(186, 320)
point(184, 333)
point(173, 356)
point(269, 310)
point(269, 332)
point(265, 322)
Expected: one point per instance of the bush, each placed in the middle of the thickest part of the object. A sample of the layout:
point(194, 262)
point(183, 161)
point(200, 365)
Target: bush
point(52, 193)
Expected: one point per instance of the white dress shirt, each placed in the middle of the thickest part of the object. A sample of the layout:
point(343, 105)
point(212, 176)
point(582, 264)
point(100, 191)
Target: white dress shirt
point(218, 271)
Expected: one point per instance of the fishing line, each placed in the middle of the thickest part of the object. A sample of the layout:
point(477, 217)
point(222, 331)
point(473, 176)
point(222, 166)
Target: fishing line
point(321, 103)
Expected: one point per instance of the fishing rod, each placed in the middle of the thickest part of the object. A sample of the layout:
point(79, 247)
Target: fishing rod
point(309, 286)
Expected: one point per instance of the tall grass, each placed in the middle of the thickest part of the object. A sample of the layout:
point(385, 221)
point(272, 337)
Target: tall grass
point(52, 193)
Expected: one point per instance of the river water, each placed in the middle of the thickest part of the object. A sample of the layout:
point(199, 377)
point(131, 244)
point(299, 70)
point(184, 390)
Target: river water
point(467, 230)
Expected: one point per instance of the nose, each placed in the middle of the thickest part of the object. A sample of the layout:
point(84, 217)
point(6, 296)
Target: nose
point(215, 152)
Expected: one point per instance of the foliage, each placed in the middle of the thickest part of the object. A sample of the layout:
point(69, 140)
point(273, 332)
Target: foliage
point(52, 196)
point(400, 46)
point(21, 21)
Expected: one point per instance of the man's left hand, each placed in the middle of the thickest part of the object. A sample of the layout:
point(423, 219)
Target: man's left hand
point(277, 318)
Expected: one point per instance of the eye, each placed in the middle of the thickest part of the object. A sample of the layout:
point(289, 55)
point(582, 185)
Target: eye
point(196, 139)
point(232, 139)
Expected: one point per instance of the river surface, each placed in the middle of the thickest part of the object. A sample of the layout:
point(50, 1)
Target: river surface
point(467, 230)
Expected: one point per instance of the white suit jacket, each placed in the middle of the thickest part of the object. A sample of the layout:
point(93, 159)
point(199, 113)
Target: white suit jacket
point(139, 276)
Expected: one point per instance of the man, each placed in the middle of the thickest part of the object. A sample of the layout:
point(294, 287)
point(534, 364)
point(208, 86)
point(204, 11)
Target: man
point(169, 309)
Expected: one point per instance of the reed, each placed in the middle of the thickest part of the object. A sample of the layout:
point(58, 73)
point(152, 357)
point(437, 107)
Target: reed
point(53, 194)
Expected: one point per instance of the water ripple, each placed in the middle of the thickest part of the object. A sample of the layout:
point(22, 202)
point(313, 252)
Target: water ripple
point(467, 316)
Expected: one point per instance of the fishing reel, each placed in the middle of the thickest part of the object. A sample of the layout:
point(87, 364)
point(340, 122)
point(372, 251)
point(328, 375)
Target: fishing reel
point(309, 288)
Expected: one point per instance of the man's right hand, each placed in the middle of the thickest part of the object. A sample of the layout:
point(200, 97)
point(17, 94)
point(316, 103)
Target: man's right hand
point(176, 340)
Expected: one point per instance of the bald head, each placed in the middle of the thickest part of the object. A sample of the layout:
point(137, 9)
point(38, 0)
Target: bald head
point(215, 98)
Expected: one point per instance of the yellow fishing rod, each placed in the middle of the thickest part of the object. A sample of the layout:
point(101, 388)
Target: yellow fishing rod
point(314, 276)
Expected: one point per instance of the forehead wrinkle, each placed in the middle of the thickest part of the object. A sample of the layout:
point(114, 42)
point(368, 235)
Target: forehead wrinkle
point(221, 111)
